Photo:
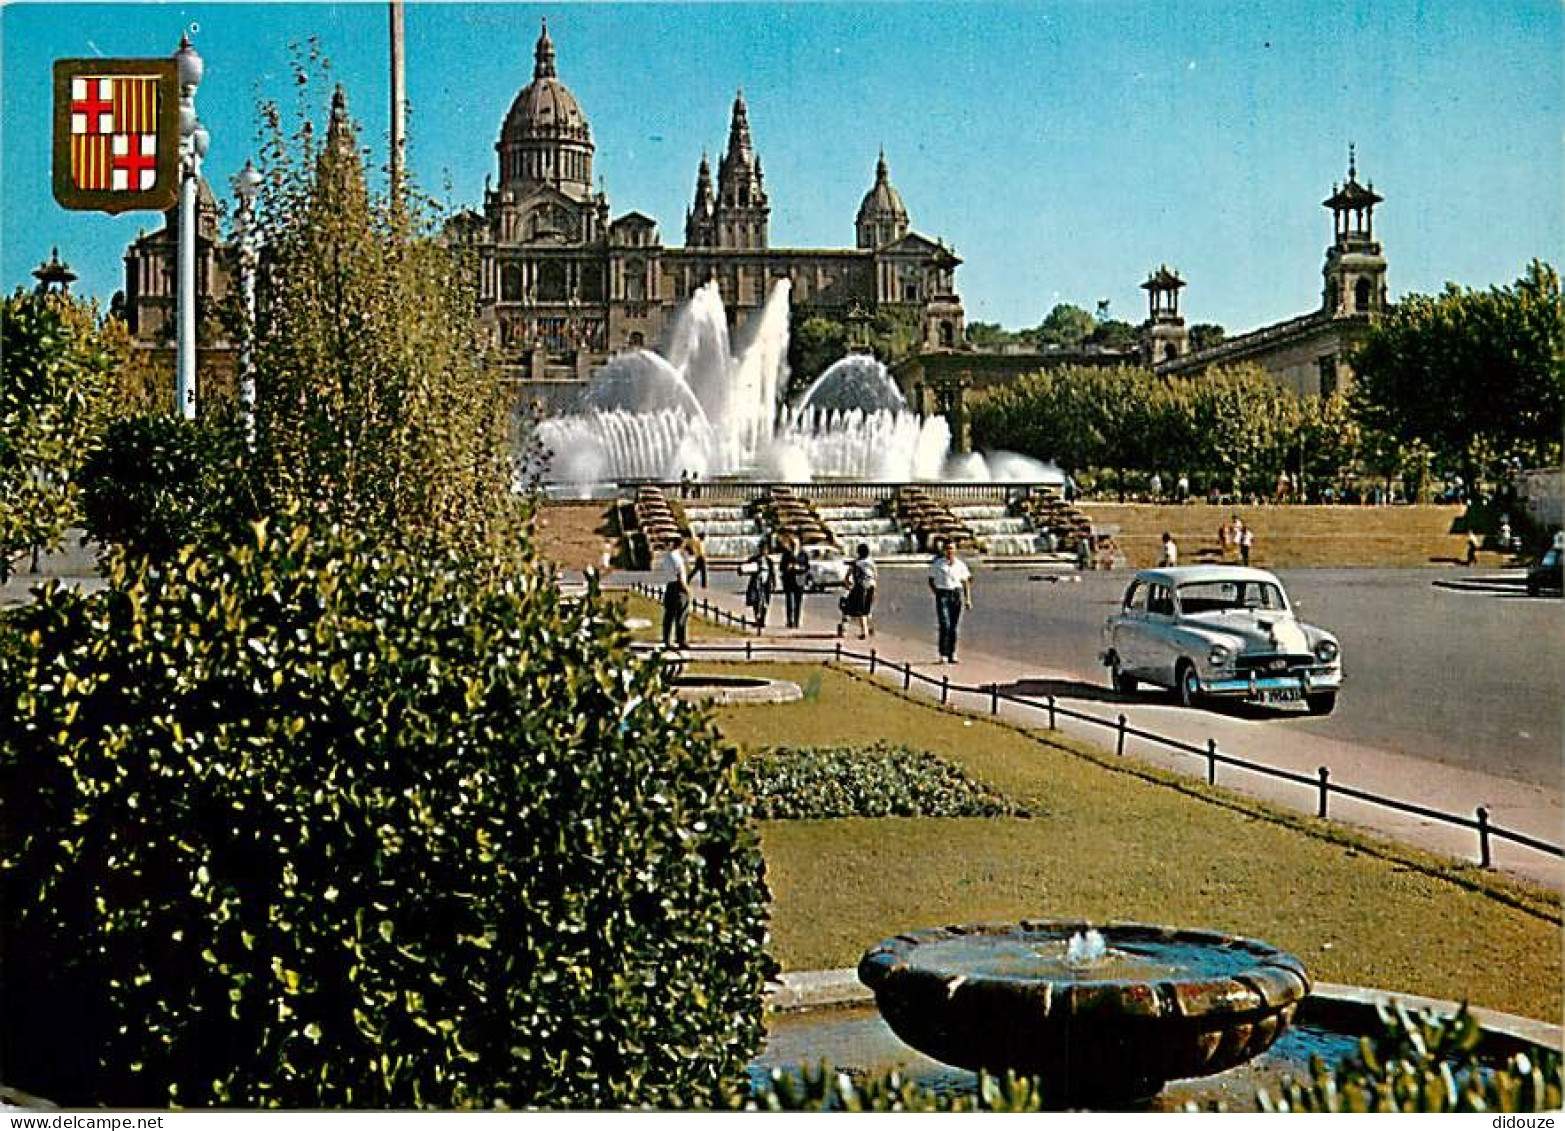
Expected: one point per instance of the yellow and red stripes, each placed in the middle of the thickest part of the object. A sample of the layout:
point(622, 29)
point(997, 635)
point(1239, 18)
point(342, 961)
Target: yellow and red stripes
point(91, 160)
point(135, 105)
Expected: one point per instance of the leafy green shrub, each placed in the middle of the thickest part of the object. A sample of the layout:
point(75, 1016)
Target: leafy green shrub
point(57, 366)
point(1424, 1064)
point(158, 483)
point(313, 823)
point(878, 781)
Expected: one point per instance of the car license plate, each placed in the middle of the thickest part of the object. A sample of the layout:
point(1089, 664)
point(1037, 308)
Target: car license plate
point(1281, 695)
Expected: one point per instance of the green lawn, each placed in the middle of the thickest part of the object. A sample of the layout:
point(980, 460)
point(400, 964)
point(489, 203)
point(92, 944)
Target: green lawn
point(1110, 840)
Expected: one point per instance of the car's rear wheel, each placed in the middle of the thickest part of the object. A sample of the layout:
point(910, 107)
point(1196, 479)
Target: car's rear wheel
point(1124, 684)
point(1188, 684)
point(1321, 703)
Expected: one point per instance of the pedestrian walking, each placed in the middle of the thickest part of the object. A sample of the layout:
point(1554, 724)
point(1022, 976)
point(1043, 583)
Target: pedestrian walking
point(1170, 551)
point(1182, 488)
point(1472, 548)
point(698, 559)
point(676, 597)
point(795, 576)
point(762, 584)
point(952, 584)
point(1246, 544)
point(859, 601)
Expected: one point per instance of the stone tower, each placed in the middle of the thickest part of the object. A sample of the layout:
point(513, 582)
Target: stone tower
point(882, 218)
point(1164, 335)
point(1355, 270)
point(701, 219)
point(742, 212)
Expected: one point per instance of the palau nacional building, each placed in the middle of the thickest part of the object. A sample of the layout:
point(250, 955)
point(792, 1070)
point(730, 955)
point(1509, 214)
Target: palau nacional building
point(565, 284)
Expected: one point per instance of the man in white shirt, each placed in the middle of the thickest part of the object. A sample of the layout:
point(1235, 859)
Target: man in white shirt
point(952, 584)
point(1170, 551)
point(676, 597)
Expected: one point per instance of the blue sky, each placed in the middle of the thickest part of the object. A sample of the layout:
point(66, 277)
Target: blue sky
point(1065, 149)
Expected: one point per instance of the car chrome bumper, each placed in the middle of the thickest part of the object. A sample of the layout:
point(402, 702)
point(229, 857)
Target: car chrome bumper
point(1255, 686)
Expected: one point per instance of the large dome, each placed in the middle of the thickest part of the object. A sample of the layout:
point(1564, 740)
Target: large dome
point(545, 108)
point(883, 201)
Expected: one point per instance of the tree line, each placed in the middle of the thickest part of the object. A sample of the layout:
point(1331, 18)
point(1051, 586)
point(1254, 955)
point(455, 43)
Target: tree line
point(1466, 383)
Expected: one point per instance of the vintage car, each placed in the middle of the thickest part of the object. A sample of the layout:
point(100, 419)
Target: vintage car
point(1221, 632)
point(1548, 575)
point(828, 568)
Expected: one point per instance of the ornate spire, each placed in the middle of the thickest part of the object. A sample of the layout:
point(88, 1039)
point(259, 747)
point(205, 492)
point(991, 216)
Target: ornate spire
point(882, 171)
point(739, 131)
point(1353, 174)
point(339, 132)
point(543, 68)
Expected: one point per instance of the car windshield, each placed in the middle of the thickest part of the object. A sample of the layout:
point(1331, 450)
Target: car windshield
point(1225, 596)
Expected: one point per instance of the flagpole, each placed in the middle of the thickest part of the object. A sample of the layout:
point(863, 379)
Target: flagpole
point(398, 105)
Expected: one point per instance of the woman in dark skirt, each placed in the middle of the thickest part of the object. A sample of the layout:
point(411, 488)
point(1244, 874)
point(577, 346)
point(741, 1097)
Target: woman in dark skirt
point(859, 601)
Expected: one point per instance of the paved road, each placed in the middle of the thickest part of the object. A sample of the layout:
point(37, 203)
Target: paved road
point(1470, 679)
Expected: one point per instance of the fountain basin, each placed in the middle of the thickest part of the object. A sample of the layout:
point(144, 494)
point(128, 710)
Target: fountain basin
point(1163, 1004)
point(735, 689)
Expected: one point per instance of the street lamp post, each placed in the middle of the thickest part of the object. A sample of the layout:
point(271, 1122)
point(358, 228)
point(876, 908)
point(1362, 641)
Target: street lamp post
point(247, 183)
point(193, 141)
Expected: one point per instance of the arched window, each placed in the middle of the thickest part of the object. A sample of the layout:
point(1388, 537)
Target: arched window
point(551, 281)
point(1170, 351)
point(947, 335)
point(511, 283)
point(637, 339)
point(1361, 293)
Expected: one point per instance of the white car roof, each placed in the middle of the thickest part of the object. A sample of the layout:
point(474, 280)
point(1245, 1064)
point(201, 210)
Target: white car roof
point(1175, 576)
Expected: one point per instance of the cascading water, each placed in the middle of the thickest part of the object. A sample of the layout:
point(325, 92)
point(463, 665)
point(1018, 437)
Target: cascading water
point(709, 406)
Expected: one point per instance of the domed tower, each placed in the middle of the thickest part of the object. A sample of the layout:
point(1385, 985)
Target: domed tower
point(1164, 335)
point(883, 217)
point(546, 139)
point(742, 211)
point(1355, 270)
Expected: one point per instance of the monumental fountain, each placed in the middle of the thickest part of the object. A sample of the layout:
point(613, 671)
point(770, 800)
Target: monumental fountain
point(1099, 1013)
point(714, 405)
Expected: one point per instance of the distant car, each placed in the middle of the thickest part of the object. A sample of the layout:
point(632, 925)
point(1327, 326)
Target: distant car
point(828, 568)
point(1548, 576)
point(1220, 632)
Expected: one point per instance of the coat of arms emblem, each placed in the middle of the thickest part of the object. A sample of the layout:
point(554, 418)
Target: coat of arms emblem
point(116, 134)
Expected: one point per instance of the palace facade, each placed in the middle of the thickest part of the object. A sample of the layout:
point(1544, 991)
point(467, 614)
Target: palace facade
point(565, 284)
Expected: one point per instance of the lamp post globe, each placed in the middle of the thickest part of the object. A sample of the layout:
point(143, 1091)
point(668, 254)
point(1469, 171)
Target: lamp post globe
point(189, 64)
point(247, 183)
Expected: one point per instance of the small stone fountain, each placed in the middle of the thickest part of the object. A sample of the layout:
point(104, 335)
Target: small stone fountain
point(1102, 1014)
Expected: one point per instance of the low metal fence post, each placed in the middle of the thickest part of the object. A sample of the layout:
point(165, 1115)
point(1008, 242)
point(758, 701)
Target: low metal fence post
point(872, 661)
point(748, 644)
point(1211, 761)
point(839, 651)
point(1483, 837)
point(994, 698)
point(1119, 747)
point(945, 689)
point(1325, 788)
point(1052, 725)
point(907, 675)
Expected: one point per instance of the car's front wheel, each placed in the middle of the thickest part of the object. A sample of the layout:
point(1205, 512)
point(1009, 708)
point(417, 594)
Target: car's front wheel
point(1188, 684)
point(1321, 703)
point(1124, 684)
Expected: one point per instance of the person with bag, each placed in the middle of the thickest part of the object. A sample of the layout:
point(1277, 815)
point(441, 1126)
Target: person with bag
point(859, 601)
